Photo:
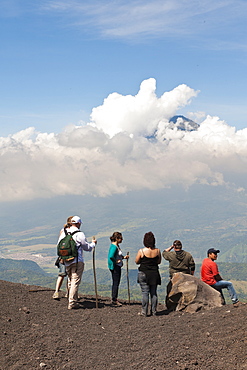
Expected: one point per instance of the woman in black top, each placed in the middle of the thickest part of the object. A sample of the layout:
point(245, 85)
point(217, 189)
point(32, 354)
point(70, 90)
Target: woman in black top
point(148, 276)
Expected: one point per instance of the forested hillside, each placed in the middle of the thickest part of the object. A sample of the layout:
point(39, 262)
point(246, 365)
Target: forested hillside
point(214, 218)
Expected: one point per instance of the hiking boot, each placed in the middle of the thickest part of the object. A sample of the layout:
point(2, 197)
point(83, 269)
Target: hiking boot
point(141, 314)
point(56, 295)
point(116, 303)
point(237, 304)
point(74, 307)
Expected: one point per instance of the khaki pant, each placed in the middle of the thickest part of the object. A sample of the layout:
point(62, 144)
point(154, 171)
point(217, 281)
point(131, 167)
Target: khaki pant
point(74, 272)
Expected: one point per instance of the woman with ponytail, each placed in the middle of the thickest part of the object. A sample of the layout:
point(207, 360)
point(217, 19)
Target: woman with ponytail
point(115, 263)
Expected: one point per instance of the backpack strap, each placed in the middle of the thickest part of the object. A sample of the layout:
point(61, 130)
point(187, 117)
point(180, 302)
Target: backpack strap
point(69, 233)
point(74, 232)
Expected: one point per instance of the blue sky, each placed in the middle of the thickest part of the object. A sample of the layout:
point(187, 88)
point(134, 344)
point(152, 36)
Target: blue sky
point(84, 85)
point(60, 59)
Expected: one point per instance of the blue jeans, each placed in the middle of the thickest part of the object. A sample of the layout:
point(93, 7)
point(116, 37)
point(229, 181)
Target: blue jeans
point(219, 285)
point(116, 277)
point(146, 290)
point(62, 270)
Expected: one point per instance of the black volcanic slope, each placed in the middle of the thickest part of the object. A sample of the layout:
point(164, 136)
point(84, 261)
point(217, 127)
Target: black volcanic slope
point(39, 332)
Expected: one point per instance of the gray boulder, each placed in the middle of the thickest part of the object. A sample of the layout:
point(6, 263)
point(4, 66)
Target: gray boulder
point(189, 294)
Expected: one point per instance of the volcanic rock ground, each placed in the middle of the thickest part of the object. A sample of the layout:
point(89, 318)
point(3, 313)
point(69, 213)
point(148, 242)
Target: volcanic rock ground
point(39, 332)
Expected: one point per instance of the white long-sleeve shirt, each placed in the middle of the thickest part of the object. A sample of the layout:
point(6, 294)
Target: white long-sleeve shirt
point(81, 243)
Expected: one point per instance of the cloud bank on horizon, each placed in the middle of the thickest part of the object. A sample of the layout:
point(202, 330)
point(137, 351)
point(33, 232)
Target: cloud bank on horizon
point(128, 145)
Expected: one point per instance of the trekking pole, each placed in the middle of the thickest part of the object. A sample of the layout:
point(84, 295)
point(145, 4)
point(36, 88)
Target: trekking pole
point(95, 282)
point(127, 274)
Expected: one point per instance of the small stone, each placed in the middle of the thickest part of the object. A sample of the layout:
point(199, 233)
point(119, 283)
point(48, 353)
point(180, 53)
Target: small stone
point(24, 309)
point(42, 364)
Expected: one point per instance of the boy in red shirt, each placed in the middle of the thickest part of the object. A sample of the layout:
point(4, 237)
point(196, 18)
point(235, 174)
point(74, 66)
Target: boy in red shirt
point(210, 275)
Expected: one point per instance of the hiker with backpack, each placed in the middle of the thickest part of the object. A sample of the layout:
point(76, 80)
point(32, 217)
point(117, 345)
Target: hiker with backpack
point(61, 266)
point(71, 244)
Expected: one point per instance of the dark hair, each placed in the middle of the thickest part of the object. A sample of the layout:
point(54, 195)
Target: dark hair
point(69, 223)
point(177, 244)
point(149, 240)
point(116, 235)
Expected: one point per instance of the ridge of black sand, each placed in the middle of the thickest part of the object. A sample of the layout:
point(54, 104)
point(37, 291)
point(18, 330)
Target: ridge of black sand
point(39, 332)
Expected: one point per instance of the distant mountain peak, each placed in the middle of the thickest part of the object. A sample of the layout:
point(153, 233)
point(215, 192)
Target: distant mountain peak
point(180, 122)
point(183, 123)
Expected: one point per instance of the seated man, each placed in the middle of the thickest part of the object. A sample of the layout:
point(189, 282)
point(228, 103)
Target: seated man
point(210, 275)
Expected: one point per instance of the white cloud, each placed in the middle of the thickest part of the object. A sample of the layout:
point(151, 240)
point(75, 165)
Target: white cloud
point(111, 154)
point(139, 114)
point(196, 116)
